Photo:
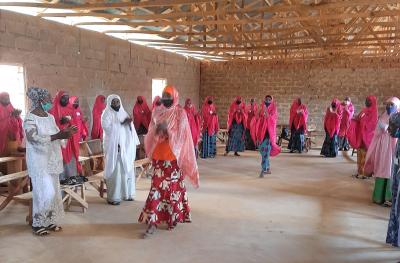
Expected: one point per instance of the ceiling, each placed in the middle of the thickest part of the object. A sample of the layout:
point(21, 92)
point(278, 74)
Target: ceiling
point(239, 29)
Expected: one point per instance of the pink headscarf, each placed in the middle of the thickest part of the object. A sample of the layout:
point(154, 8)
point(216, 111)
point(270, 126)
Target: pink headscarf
point(266, 121)
point(380, 152)
point(98, 108)
point(348, 112)
point(362, 128)
point(237, 113)
point(10, 126)
point(298, 115)
point(251, 111)
point(141, 113)
point(194, 120)
point(155, 101)
point(332, 119)
point(210, 117)
point(180, 139)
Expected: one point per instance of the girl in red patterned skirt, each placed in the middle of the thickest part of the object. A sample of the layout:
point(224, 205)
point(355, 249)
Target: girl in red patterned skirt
point(169, 143)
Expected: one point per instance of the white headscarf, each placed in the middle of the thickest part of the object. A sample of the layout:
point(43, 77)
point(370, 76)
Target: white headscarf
point(117, 134)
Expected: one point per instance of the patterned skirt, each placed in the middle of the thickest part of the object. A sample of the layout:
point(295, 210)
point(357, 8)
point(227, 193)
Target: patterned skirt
point(330, 146)
point(209, 145)
point(236, 138)
point(167, 201)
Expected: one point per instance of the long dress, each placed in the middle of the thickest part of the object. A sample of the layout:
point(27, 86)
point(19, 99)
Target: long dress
point(348, 112)
point(331, 125)
point(251, 112)
point(119, 142)
point(237, 120)
point(394, 220)
point(45, 163)
point(298, 126)
point(98, 107)
point(210, 129)
point(379, 160)
point(173, 160)
point(10, 127)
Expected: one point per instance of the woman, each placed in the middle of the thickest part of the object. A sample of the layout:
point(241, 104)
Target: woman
point(170, 145)
point(347, 115)
point(44, 162)
point(361, 132)
point(63, 113)
point(263, 132)
point(380, 155)
point(98, 108)
point(237, 119)
point(394, 219)
point(10, 124)
point(119, 143)
point(194, 123)
point(156, 103)
point(298, 125)
point(210, 128)
point(141, 115)
point(79, 120)
point(251, 112)
point(331, 126)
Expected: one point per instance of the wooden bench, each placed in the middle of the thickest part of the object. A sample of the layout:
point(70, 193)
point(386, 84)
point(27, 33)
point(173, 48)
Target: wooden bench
point(143, 164)
point(16, 182)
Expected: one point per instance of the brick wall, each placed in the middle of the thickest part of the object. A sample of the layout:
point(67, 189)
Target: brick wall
point(87, 63)
point(317, 83)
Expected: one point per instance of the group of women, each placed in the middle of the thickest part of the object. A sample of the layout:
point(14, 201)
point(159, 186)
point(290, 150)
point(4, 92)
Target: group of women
point(54, 128)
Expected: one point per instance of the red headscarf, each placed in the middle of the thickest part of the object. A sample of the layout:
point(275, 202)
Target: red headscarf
point(210, 117)
point(251, 112)
point(237, 113)
point(78, 120)
point(141, 114)
point(348, 112)
point(155, 101)
point(298, 115)
point(98, 107)
point(361, 130)
point(58, 112)
point(179, 136)
point(332, 119)
point(194, 120)
point(10, 126)
point(266, 122)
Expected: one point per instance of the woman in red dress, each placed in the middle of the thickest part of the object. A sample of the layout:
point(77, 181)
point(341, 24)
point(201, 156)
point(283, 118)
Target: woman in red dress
point(169, 143)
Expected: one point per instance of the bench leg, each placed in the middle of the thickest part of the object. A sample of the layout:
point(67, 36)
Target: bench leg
point(29, 218)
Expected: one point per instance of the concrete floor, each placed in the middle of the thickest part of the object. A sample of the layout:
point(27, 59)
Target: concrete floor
point(308, 210)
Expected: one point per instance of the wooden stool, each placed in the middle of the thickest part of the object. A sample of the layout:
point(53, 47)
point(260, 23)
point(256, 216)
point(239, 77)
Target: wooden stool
point(75, 194)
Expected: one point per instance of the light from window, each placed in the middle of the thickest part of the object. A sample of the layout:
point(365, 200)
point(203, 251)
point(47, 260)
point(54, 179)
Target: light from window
point(12, 81)
point(157, 86)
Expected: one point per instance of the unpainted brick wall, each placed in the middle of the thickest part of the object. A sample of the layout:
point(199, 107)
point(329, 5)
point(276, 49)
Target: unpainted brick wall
point(315, 82)
point(87, 63)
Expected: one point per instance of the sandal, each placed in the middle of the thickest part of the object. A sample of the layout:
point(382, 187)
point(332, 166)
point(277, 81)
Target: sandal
point(40, 231)
point(113, 203)
point(54, 228)
point(150, 231)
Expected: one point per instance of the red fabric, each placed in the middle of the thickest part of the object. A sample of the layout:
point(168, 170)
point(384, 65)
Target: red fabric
point(210, 117)
point(78, 120)
point(194, 121)
point(347, 115)
point(361, 130)
point(332, 119)
point(155, 100)
point(98, 107)
point(167, 200)
point(237, 113)
point(179, 136)
point(141, 114)
point(58, 112)
point(10, 126)
point(266, 121)
point(251, 111)
point(298, 120)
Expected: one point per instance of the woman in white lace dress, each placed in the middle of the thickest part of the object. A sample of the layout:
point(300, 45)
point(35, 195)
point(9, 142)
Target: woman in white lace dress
point(44, 161)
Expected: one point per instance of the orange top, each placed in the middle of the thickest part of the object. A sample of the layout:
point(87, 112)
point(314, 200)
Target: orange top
point(163, 152)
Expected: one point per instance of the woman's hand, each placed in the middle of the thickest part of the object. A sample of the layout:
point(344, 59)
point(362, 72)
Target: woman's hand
point(65, 133)
point(128, 120)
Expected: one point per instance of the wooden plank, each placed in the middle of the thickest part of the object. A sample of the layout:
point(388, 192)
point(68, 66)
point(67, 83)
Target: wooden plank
point(9, 159)
point(11, 177)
